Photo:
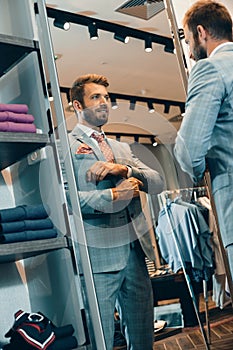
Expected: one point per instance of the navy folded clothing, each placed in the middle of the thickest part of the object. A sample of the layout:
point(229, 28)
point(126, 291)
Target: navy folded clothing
point(23, 212)
point(64, 331)
point(27, 235)
point(24, 225)
point(66, 343)
point(14, 107)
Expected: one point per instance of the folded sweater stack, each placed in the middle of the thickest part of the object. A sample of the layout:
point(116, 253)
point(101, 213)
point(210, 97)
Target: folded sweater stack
point(35, 331)
point(15, 118)
point(26, 223)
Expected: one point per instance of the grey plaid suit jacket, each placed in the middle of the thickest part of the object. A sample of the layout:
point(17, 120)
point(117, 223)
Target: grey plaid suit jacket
point(206, 133)
point(110, 226)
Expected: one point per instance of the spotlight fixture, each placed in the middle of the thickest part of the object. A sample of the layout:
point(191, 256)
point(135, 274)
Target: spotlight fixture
point(50, 95)
point(114, 102)
point(148, 44)
point(181, 33)
point(121, 37)
point(93, 31)
point(132, 104)
point(166, 108)
point(61, 23)
point(150, 107)
point(153, 141)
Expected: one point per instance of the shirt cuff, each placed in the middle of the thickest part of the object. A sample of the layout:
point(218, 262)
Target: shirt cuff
point(129, 172)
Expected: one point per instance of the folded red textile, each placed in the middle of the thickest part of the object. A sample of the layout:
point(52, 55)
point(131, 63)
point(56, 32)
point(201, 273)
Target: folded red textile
point(14, 107)
point(7, 116)
point(17, 127)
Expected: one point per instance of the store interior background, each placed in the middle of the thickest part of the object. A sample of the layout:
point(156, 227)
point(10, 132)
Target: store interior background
point(130, 70)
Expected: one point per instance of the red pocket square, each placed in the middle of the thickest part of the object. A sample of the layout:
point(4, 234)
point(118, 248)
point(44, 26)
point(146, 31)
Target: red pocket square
point(84, 149)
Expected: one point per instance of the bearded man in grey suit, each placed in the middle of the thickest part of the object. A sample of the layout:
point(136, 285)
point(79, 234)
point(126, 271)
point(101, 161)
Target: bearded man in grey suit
point(116, 230)
point(206, 133)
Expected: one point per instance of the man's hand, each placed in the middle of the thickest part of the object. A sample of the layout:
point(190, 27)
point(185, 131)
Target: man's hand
point(127, 189)
point(99, 170)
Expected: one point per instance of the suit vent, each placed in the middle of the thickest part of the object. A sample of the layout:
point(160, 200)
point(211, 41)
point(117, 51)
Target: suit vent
point(141, 8)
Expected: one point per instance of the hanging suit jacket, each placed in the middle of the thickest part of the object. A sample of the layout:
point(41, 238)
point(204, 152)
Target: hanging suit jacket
point(206, 131)
point(184, 236)
point(110, 226)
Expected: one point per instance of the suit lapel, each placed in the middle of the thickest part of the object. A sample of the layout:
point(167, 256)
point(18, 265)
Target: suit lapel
point(80, 136)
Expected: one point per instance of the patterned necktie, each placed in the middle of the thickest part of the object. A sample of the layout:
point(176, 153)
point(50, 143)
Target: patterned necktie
point(104, 146)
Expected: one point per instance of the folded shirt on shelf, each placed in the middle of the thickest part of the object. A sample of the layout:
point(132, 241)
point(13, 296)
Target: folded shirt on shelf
point(31, 235)
point(17, 127)
point(24, 225)
point(24, 212)
point(7, 116)
point(14, 107)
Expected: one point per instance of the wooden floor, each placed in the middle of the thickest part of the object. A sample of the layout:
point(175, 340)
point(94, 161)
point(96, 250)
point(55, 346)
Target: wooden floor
point(221, 334)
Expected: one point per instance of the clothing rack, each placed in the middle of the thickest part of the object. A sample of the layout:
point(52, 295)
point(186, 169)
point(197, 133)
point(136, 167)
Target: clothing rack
point(188, 194)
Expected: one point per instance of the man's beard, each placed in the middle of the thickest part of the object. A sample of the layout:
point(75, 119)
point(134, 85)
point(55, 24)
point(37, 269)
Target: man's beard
point(199, 52)
point(96, 116)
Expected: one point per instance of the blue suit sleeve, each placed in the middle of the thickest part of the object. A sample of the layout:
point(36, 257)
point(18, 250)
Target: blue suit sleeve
point(194, 139)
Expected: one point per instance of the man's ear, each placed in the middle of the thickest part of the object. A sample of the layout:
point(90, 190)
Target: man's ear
point(202, 34)
point(77, 105)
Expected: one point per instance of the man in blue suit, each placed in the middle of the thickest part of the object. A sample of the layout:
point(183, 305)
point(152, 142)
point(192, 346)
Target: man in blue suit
point(206, 133)
point(109, 181)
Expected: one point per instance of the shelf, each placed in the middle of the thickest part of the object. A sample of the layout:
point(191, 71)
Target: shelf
point(15, 146)
point(21, 250)
point(13, 50)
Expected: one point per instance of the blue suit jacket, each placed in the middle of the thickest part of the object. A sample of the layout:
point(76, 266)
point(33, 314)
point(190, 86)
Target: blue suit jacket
point(109, 225)
point(206, 132)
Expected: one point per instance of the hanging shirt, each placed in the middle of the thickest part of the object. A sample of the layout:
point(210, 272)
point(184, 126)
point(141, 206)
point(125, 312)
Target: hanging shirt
point(184, 239)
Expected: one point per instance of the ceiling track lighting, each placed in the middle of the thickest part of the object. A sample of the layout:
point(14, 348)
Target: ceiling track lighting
point(148, 45)
point(121, 37)
point(132, 99)
point(136, 137)
point(93, 31)
point(150, 107)
point(61, 23)
point(115, 28)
